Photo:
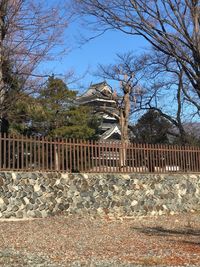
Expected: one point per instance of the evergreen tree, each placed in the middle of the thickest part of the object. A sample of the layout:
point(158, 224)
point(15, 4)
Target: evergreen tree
point(26, 115)
point(56, 100)
point(53, 113)
point(151, 128)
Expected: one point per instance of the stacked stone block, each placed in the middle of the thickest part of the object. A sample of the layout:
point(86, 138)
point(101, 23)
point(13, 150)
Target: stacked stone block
point(37, 195)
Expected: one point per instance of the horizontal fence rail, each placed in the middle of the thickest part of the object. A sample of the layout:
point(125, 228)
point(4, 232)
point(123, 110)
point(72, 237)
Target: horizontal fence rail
point(70, 155)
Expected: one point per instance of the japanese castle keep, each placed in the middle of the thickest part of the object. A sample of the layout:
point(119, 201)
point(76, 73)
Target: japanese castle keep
point(101, 98)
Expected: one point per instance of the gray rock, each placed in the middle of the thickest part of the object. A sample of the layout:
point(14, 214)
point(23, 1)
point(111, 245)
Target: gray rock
point(35, 206)
point(35, 195)
point(39, 193)
point(42, 207)
point(44, 213)
point(50, 188)
point(3, 208)
point(3, 175)
point(52, 200)
point(87, 205)
point(191, 189)
point(59, 194)
point(53, 181)
point(63, 181)
point(43, 188)
point(9, 174)
point(105, 194)
point(46, 182)
point(18, 176)
point(38, 201)
point(29, 207)
point(1, 181)
point(61, 207)
point(5, 189)
point(33, 176)
point(15, 208)
point(29, 188)
point(53, 207)
point(80, 205)
point(70, 200)
point(16, 182)
point(96, 205)
point(22, 194)
point(84, 194)
point(6, 200)
point(37, 214)
point(30, 214)
point(8, 215)
point(14, 194)
point(66, 206)
point(49, 175)
point(19, 214)
point(32, 200)
point(24, 175)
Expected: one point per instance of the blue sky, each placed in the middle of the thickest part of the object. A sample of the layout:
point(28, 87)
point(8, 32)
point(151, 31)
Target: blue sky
point(84, 59)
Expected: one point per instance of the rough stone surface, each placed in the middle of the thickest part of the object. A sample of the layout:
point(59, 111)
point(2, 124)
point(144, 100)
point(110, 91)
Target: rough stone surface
point(44, 194)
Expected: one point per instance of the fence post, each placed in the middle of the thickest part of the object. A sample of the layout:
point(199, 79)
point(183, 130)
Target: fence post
point(56, 158)
point(22, 153)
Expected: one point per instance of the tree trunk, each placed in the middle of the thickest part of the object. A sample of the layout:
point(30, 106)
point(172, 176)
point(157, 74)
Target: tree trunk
point(3, 8)
point(56, 158)
point(124, 118)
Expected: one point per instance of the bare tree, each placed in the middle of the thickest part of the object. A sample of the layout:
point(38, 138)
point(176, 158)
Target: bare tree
point(128, 94)
point(126, 97)
point(162, 88)
point(167, 80)
point(170, 26)
point(29, 30)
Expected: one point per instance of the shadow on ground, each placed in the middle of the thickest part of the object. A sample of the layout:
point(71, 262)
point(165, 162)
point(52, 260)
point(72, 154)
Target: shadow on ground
point(161, 231)
point(189, 235)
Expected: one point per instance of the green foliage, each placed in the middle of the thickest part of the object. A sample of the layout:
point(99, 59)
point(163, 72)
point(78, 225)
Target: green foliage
point(56, 97)
point(151, 128)
point(56, 100)
point(24, 113)
point(81, 123)
point(53, 113)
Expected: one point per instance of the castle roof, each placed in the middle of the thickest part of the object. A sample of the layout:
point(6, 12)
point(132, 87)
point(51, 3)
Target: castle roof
point(114, 129)
point(99, 92)
point(101, 96)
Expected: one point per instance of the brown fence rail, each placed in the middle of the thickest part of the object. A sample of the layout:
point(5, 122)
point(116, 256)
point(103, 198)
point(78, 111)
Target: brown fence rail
point(40, 154)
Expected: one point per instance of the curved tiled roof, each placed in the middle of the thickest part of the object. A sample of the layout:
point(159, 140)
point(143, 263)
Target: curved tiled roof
point(113, 130)
point(98, 92)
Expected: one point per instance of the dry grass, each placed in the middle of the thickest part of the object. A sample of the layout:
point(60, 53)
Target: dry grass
point(88, 241)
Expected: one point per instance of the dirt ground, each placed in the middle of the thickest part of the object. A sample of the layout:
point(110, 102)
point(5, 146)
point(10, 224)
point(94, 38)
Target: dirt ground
point(172, 240)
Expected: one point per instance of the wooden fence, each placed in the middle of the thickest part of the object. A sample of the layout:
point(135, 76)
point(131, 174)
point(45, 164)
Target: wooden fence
point(41, 154)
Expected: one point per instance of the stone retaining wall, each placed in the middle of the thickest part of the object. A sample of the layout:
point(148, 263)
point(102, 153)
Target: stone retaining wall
point(44, 194)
